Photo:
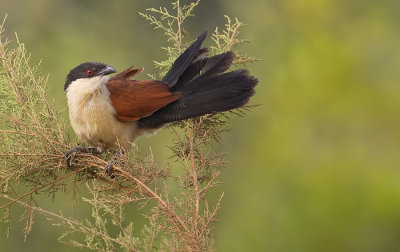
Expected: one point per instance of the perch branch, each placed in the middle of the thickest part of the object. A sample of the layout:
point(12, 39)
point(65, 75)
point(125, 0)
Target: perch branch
point(70, 221)
point(43, 186)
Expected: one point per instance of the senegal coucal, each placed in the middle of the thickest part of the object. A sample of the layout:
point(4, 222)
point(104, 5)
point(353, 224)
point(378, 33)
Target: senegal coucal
point(110, 113)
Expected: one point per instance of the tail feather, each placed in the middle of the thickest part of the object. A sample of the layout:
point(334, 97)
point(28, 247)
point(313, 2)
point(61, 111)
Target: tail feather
point(217, 64)
point(183, 61)
point(205, 67)
point(205, 87)
point(218, 93)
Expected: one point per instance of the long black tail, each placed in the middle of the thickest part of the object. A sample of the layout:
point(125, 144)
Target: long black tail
point(205, 86)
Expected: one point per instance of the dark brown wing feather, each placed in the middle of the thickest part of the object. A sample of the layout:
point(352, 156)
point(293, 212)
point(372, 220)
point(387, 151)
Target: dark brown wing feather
point(133, 100)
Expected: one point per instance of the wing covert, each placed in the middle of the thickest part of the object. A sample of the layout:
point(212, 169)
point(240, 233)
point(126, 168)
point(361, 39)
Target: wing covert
point(133, 100)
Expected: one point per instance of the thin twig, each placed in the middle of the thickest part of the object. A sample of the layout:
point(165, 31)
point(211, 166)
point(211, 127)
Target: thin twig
point(194, 176)
point(213, 214)
point(173, 217)
point(167, 208)
point(210, 184)
point(178, 21)
point(17, 132)
point(45, 212)
point(154, 195)
point(43, 186)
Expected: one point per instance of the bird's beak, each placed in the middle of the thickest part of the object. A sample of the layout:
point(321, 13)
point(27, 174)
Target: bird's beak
point(107, 70)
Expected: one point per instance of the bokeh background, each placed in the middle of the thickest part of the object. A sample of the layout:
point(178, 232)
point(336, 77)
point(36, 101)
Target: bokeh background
point(316, 167)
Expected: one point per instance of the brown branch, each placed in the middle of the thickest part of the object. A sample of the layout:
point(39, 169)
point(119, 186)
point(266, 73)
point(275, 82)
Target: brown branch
point(170, 212)
point(7, 67)
point(16, 154)
point(13, 84)
point(210, 184)
point(213, 214)
point(172, 216)
point(16, 132)
point(45, 212)
point(195, 181)
point(178, 21)
point(43, 186)
point(42, 93)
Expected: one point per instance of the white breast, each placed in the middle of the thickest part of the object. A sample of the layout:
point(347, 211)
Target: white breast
point(92, 115)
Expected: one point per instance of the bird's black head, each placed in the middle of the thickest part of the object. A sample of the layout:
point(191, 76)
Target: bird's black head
point(88, 70)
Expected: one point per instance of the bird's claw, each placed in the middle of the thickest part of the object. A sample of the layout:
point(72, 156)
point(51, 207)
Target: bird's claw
point(68, 157)
point(109, 169)
point(69, 154)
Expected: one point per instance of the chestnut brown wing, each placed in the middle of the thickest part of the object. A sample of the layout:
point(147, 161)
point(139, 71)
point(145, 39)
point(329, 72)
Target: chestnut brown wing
point(128, 73)
point(133, 100)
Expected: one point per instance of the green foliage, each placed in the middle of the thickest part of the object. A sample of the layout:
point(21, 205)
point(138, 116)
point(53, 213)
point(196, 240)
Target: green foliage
point(179, 215)
point(33, 137)
point(228, 40)
point(96, 232)
point(170, 24)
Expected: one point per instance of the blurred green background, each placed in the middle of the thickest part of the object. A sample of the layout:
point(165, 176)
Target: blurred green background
point(316, 167)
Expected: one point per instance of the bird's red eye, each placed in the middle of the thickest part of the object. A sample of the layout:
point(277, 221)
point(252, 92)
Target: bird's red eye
point(89, 72)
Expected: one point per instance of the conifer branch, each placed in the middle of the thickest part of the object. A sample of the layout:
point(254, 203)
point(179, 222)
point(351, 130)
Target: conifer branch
point(34, 139)
point(77, 226)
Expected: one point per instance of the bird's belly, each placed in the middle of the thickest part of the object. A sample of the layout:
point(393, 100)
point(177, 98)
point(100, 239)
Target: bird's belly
point(95, 123)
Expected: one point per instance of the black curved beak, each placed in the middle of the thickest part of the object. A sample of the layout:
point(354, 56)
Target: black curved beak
point(107, 70)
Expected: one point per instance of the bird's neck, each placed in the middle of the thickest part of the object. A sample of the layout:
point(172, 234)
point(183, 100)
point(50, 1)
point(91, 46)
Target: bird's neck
point(87, 86)
point(89, 91)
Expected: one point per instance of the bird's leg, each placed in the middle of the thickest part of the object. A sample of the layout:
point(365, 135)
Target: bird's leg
point(68, 155)
point(108, 169)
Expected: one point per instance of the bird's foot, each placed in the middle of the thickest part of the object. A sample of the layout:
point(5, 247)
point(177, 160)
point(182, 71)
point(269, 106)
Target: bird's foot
point(109, 167)
point(69, 154)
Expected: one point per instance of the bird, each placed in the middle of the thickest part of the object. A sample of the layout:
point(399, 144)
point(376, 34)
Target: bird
point(109, 113)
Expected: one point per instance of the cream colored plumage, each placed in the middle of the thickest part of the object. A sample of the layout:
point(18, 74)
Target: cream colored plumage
point(93, 117)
